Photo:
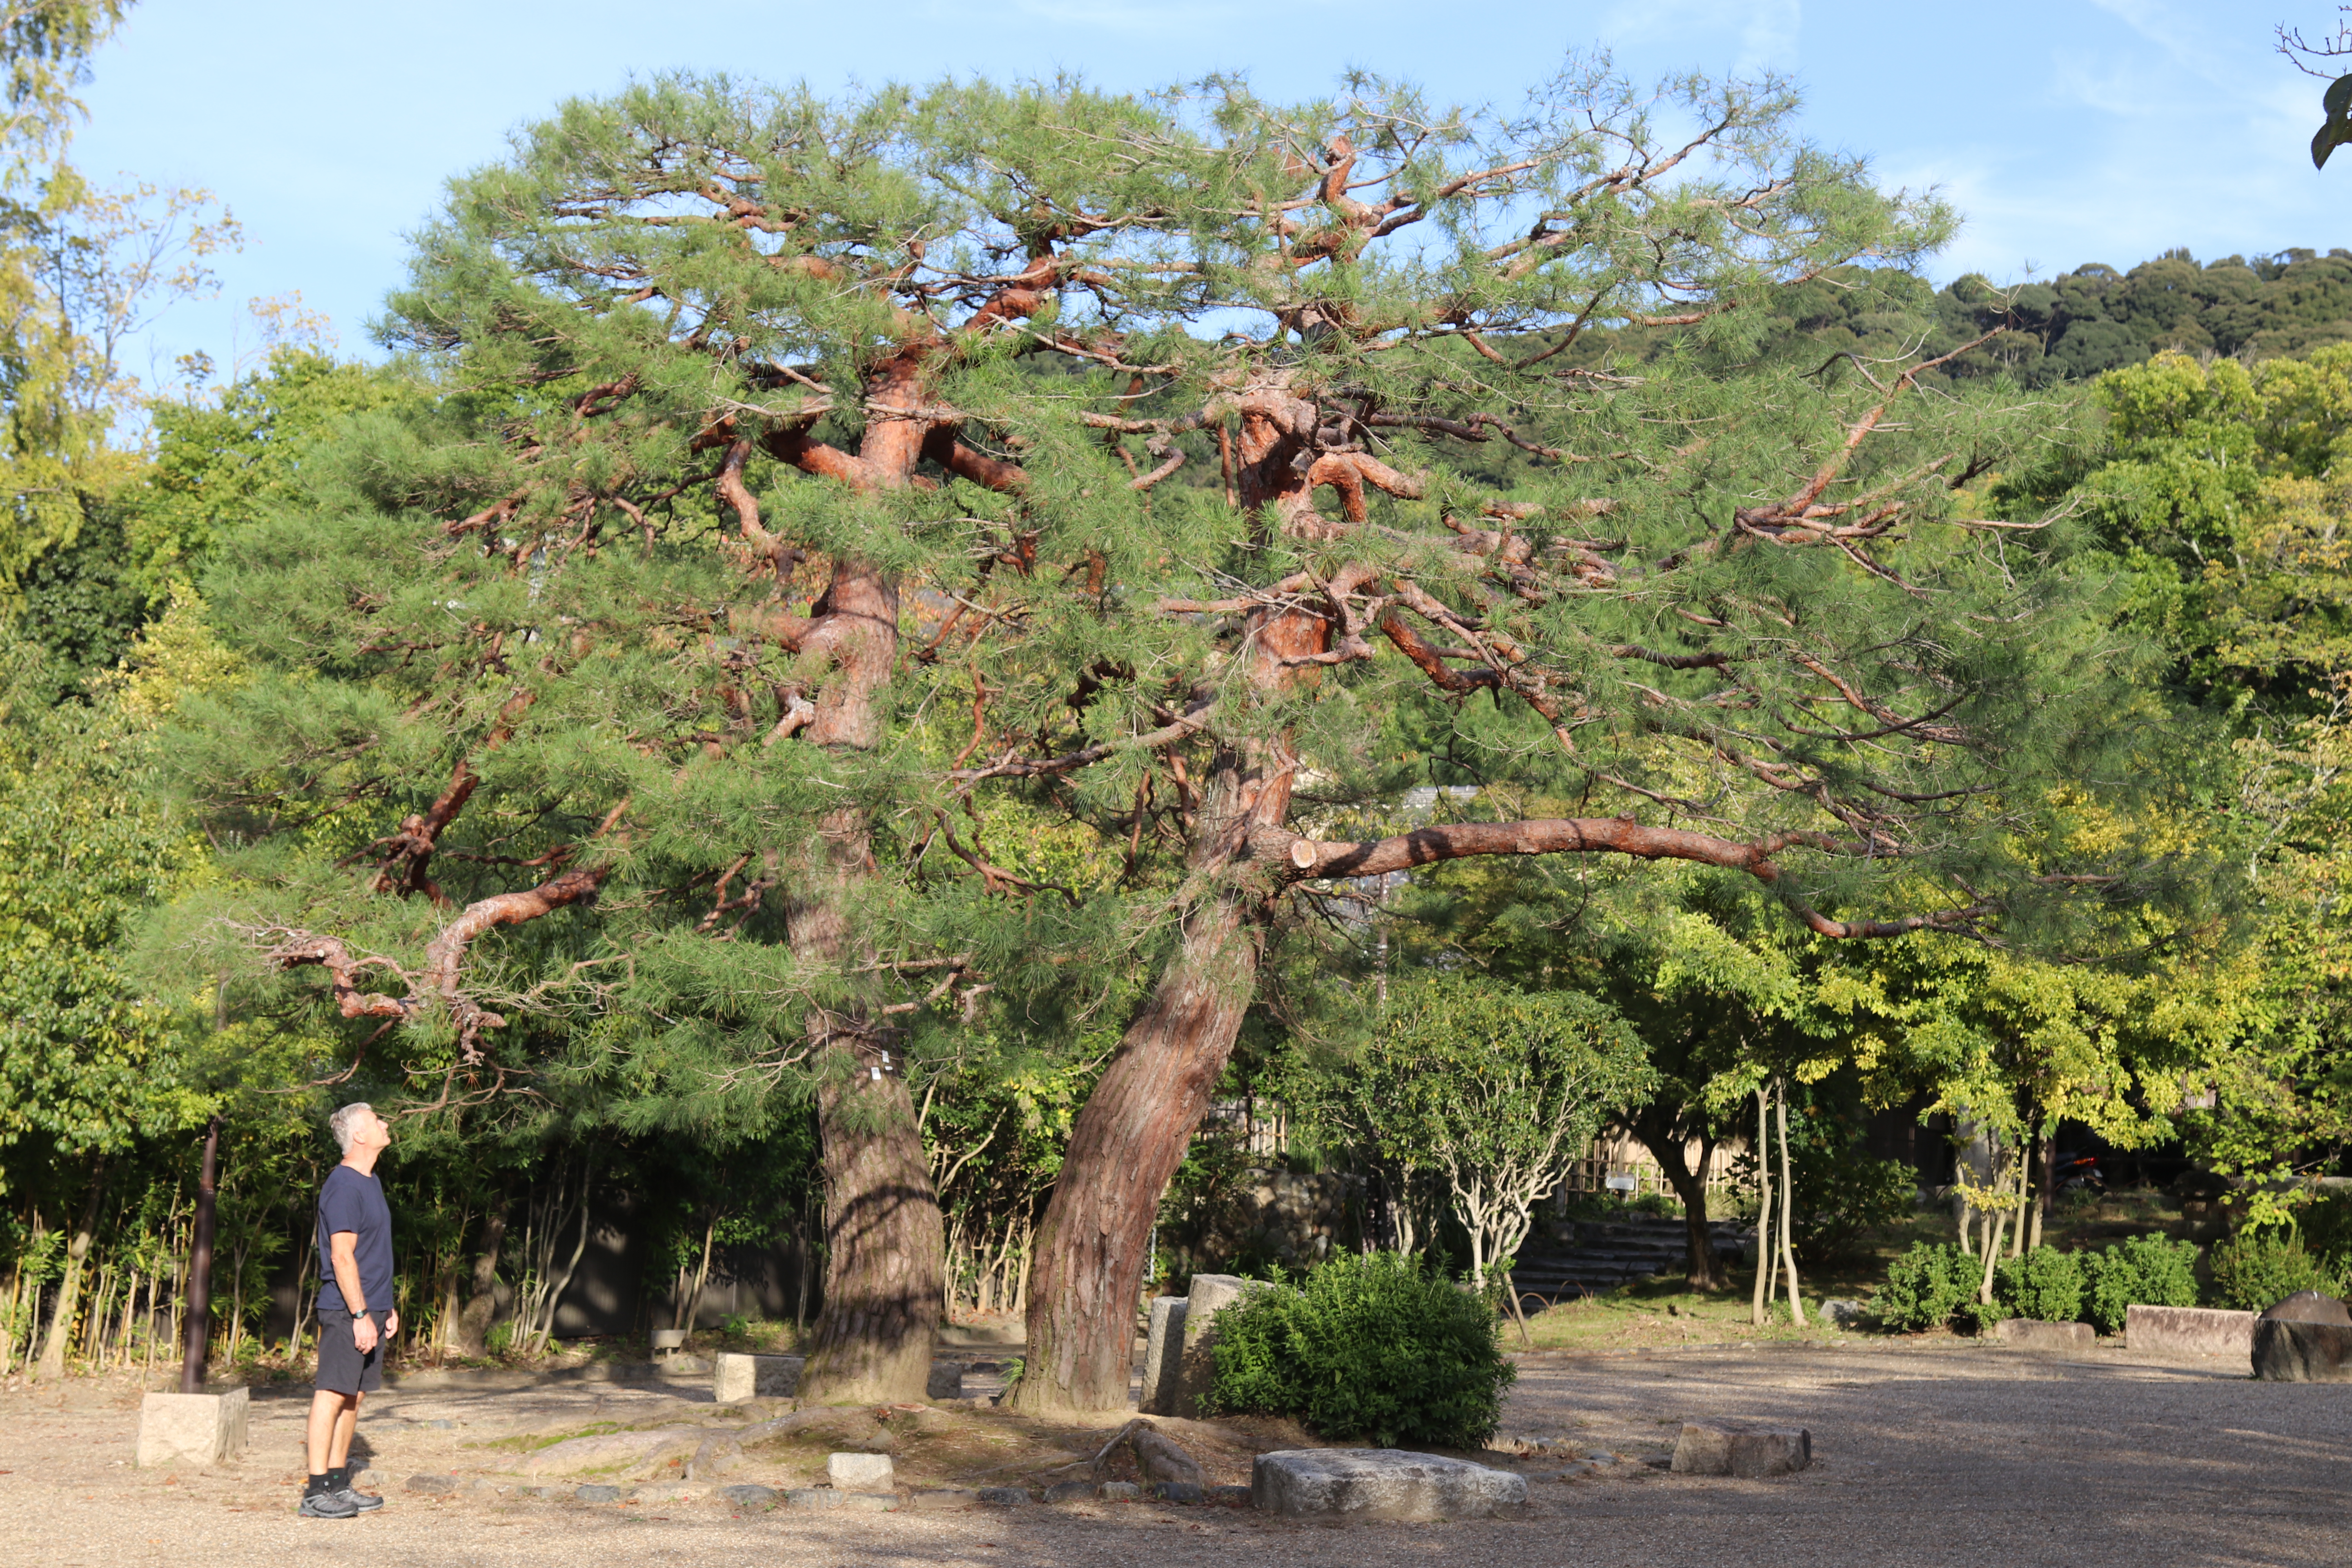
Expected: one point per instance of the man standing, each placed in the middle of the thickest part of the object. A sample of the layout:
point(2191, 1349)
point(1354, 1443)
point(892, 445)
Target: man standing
point(355, 1315)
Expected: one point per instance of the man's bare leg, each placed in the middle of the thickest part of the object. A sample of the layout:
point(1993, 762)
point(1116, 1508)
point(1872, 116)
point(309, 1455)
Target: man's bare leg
point(345, 1425)
point(328, 1434)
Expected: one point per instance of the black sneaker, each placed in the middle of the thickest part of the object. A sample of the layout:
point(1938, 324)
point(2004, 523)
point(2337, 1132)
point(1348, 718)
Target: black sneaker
point(360, 1500)
point(330, 1505)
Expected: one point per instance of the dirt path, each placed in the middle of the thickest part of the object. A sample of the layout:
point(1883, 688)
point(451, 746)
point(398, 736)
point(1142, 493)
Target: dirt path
point(1958, 1455)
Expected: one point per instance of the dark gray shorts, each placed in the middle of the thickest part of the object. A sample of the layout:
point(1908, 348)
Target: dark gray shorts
point(341, 1368)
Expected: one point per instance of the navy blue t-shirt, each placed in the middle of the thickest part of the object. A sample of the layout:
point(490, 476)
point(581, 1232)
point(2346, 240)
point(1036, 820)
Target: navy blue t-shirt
point(354, 1202)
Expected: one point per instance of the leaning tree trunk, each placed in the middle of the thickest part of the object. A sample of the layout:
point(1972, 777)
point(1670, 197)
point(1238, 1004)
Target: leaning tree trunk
point(1088, 1270)
point(69, 1298)
point(1087, 1273)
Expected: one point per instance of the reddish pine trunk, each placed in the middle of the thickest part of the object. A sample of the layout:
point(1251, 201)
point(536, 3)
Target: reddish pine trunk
point(1087, 1271)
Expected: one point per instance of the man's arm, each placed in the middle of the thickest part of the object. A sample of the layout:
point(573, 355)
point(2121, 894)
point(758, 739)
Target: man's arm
point(344, 1246)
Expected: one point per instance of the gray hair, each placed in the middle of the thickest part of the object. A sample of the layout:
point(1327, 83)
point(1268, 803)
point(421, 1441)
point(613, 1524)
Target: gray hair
point(339, 1124)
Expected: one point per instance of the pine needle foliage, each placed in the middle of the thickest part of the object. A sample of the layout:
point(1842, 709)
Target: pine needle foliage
point(1071, 375)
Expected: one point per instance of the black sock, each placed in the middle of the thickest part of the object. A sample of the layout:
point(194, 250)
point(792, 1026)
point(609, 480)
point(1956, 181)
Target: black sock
point(318, 1485)
point(339, 1477)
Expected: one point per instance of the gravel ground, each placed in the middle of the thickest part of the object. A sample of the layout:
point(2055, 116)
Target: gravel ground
point(1924, 1456)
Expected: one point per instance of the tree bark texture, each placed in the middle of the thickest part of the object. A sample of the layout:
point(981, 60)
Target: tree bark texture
point(1088, 1270)
point(482, 1303)
point(884, 1262)
point(885, 1244)
point(1663, 1131)
point(1087, 1273)
point(68, 1296)
point(200, 1265)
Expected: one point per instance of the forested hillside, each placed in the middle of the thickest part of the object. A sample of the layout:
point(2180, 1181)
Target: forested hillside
point(2072, 327)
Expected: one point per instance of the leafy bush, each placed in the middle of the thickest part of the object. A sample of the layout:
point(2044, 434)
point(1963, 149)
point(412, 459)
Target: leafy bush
point(2257, 1271)
point(2042, 1283)
point(1927, 1287)
point(1840, 1192)
point(1366, 1347)
point(2325, 1225)
point(2145, 1271)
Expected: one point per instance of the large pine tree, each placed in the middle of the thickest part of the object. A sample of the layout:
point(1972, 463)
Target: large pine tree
point(814, 490)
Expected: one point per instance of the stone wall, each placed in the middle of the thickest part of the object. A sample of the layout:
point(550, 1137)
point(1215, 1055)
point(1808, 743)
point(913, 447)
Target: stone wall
point(1266, 1215)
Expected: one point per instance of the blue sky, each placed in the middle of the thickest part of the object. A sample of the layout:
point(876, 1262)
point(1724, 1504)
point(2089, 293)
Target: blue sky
point(2066, 131)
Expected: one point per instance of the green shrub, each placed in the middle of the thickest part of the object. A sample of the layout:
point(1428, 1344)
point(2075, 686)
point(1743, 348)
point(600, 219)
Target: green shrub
point(2143, 1272)
point(1366, 1347)
point(1927, 1287)
point(2325, 1225)
point(2042, 1283)
point(2252, 1272)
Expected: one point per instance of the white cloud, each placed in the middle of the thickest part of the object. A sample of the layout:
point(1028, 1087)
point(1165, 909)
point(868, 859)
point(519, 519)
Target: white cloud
point(1770, 31)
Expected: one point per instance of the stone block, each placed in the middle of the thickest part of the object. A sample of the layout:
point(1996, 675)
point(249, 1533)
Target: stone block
point(861, 1472)
point(946, 1381)
point(1843, 1313)
point(943, 1498)
point(736, 1378)
point(1070, 1492)
point(2033, 1334)
point(1717, 1448)
point(1212, 1294)
point(192, 1428)
point(1002, 1497)
point(1381, 1483)
point(434, 1486)
point(754, 1499)
point(1163, 1356)
point(1120, 1491)
point(600, 1493)
point(1228, 1497)
point(2187, 1330)
point(1175, 1491)
point(2288, 1352)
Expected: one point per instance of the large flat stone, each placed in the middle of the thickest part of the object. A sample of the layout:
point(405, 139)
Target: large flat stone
point(2033, 1335)
point(945, 1382)
point(2287, 1352)
point(735, 1378)
point(1163, 1356)
point(1722, 1449)
point(192, 1428)
point(1381, 1483)
point(2187, 1330)
point(613, 1451)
